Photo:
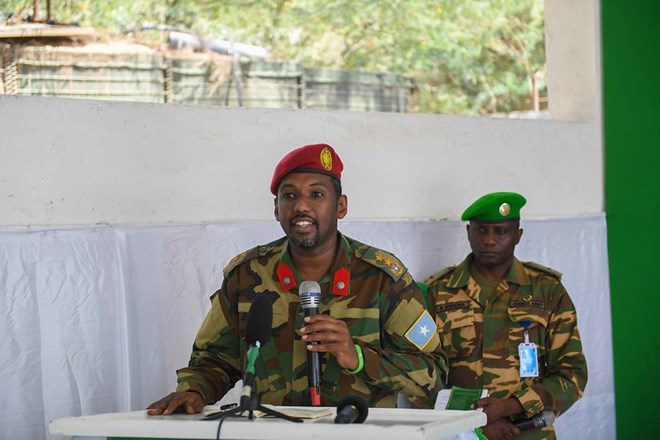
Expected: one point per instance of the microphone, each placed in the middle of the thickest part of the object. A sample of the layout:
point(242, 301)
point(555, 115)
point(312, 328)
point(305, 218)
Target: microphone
point(257, 332)
point(352, 409)
point(540, 420)
point(310, 297)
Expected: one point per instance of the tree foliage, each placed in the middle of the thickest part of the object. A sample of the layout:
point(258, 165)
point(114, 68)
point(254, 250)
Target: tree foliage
point(467, 57)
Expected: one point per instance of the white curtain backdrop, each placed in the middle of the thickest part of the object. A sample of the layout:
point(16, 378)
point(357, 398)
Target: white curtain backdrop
point(97, 319)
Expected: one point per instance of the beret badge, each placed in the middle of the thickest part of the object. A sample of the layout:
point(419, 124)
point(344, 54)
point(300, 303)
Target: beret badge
point(326, 158)
point(495, 207)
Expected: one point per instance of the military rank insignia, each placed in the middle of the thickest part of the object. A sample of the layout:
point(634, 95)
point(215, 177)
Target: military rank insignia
point(285, 277)
point(421, 332)
point(237, 258)
point(234, 262)
point(394, 266)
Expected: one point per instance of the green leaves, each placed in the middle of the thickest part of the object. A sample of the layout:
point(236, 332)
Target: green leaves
point(467, 57)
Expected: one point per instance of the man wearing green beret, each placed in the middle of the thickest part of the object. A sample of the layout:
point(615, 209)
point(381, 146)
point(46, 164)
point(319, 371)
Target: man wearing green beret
point(508, 326)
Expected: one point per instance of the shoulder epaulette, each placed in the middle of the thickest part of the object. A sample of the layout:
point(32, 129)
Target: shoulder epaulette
point(544, 269)
point(381, 259)
point(439, 274)
point(243, 257)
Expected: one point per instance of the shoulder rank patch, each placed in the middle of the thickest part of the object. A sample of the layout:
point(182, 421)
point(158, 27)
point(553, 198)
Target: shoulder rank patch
point(439, 274)
point(544, 269)
point(421, 332)
point(384, 260)
point(240, 258)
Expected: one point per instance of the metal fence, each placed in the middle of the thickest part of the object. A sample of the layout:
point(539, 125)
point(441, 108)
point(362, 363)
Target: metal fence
point(139, 74)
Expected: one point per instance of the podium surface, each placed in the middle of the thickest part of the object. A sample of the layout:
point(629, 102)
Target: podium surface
point(381, 424)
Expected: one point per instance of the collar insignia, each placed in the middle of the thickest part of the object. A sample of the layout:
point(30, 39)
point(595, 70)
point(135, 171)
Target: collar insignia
point(285, 277)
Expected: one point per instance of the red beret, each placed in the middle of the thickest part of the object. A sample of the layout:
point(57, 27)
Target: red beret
point(316, 158)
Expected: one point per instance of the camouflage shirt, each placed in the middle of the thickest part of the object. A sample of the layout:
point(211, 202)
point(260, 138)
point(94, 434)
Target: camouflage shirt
point(367, 288)
point(481, 340)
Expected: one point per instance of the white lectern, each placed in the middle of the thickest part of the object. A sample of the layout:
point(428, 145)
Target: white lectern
point(381, 424)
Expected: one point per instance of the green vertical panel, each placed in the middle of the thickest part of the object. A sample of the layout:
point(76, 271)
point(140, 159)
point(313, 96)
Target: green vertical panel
point(631, 71)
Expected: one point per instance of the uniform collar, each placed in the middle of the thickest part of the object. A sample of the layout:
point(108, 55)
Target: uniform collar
point(338, 276)
point(517, 274)
point(461, 276)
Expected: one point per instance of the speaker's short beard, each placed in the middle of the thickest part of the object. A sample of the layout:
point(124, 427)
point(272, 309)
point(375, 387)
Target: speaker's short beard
point(307, 243)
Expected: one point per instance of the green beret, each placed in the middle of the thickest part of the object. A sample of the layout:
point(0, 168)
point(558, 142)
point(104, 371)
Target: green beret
point(494, 207)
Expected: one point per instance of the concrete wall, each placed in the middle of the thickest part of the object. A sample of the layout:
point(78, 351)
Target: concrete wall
point(572, 48)
point(70, 162)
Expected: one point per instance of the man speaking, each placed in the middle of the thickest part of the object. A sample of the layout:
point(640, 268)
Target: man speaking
point(373, 335)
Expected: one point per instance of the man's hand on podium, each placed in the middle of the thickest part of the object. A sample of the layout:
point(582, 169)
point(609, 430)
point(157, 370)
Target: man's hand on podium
point(189, 402)
point(497, 411)
point(501, 429)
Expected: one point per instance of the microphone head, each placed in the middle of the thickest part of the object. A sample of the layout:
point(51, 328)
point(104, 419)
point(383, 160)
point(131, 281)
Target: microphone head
point(310, 294)
point(259, 322)
point(358, 403)
point(548, 417)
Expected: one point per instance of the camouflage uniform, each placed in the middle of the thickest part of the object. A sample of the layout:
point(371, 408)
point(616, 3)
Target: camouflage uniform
point(481, 340)
point(367, 288)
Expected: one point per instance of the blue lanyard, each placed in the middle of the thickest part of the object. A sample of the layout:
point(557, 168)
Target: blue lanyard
point(525, 324)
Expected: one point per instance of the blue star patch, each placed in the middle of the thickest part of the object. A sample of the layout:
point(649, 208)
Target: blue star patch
point(421, 332)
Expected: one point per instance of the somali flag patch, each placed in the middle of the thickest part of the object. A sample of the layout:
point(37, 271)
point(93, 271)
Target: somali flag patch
point(421, 332)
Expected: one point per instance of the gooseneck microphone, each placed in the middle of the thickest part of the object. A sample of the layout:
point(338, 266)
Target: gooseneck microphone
point(257, 332)
point(540, 420)
point(310, 298)
point(352, 409)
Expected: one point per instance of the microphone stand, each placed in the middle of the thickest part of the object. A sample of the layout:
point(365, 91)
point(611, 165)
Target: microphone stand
point(253, 404)
point(258, 325)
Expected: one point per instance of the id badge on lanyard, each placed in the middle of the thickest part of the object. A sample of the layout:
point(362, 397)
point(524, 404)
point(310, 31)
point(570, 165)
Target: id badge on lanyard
point(529, 361)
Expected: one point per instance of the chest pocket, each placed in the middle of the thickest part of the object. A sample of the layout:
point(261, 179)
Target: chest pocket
point(457, 327)
point(538, 319)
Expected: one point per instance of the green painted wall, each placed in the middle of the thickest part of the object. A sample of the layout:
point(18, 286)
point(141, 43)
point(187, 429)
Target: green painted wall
point(631, 77)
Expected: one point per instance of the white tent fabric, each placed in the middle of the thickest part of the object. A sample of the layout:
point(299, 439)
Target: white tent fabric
point(97, 319)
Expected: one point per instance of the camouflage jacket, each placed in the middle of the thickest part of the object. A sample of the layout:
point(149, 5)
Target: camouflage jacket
point(482, 341)
point(366, 287)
